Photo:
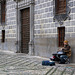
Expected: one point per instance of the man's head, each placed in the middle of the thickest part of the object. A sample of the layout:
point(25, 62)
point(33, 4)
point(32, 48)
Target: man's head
point(65, 42)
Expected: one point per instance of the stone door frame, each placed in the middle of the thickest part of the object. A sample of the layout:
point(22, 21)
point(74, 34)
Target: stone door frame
point(31, 43)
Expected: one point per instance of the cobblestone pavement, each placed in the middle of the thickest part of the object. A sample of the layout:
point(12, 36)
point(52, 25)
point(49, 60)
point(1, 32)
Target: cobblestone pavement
point(22, 64)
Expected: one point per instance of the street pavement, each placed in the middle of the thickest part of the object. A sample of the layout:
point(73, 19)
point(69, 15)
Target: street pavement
point(23, 64)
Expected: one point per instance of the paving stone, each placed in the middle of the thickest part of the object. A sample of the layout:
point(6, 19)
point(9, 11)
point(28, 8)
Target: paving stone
point(59, 71)
point(20, 64)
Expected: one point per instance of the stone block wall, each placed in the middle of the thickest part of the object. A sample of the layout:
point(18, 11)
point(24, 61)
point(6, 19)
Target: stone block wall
point(43, 22)
point(43, 19)
point(10, 27)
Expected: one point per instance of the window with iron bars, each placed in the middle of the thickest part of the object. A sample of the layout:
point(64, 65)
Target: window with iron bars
point(2, 17)
point(2, 11)
point(3, 36)
point(60, 6)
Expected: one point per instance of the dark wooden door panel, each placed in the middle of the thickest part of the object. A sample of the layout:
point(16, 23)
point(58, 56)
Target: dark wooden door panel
point(61, 36)
point(25, 30)
point(60, 6)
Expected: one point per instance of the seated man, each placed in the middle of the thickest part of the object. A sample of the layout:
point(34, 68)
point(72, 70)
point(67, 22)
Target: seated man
point(62, 54)
point(67, 51)
point(66, 48)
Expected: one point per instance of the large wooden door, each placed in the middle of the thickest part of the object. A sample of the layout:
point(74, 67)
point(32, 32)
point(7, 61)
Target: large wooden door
point(25, 30)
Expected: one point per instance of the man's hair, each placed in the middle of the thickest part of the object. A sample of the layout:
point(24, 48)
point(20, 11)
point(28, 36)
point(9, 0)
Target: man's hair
point(65, 41)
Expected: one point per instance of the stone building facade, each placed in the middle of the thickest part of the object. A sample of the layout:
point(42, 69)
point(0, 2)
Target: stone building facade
point(9, 26)
point(47, 27)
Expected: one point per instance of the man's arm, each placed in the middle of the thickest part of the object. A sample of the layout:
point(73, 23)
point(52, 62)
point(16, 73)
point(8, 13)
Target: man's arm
point(66, 49)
